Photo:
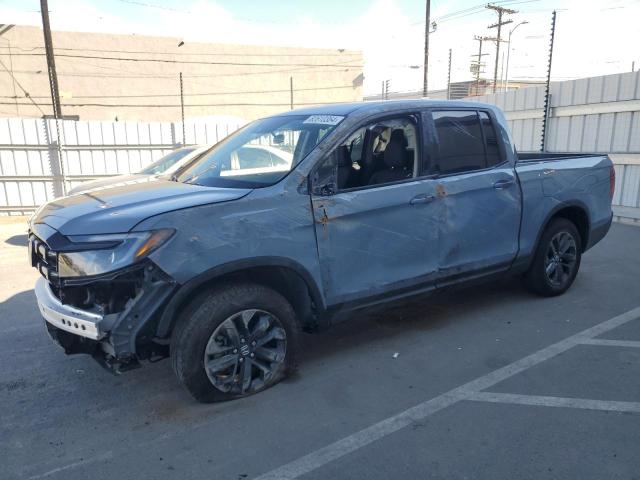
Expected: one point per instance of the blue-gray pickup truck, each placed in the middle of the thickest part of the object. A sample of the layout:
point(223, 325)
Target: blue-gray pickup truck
point(222, 264)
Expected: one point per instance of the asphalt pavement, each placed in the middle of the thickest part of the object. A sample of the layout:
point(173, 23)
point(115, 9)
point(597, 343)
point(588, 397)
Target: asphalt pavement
point(488, 382)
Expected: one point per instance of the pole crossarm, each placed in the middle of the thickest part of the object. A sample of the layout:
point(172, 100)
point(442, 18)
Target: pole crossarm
point(498, 25)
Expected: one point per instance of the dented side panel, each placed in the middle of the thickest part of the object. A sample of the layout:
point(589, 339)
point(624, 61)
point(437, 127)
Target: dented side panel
point(480, 220)
point(269, 222)
point(373, 240)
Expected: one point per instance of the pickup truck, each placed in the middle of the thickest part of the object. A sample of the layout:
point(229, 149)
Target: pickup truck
point(381, 201)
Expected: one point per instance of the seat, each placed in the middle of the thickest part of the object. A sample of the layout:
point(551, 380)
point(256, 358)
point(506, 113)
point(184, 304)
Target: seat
point(395, 160)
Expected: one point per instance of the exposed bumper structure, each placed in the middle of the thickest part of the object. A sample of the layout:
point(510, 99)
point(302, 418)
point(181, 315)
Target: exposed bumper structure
point(66, 317)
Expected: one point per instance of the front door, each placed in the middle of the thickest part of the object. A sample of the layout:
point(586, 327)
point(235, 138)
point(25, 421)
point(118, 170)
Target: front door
point(479, 196)
point(376, 223)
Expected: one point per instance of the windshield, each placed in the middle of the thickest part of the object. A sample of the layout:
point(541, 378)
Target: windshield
point(260, 154)
point(164, 163)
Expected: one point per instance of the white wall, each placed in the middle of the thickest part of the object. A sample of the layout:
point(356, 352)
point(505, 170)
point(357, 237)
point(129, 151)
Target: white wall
point(30, 172)
point(597, 114)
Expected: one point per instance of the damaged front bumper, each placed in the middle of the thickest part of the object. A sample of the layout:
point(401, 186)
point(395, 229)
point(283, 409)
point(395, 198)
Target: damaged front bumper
point(117, 340)
point(65, 317)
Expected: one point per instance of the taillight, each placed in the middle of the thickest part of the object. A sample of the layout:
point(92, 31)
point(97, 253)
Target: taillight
point(612, 182)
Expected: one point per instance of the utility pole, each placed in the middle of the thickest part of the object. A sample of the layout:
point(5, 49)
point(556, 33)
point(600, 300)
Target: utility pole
point(184, 136)
point(545, 118)
point(501, 11)
point(51, 63)
point(476, 66)
point(449, 78)
point(53, 85)
point(291, 92)
point(426, 49)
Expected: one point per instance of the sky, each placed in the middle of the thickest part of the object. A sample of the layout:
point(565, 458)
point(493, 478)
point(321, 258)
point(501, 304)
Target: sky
point(592, 37)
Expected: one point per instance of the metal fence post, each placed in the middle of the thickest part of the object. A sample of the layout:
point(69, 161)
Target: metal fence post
point(547, 94)
point(55, 161)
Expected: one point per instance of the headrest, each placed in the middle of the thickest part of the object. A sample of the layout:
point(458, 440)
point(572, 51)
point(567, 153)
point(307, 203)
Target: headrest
point(344, 159)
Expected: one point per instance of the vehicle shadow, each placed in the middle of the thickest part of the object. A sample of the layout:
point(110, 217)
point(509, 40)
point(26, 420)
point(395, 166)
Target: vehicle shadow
point(17, 240)
point(37, 370)
point(420, 314)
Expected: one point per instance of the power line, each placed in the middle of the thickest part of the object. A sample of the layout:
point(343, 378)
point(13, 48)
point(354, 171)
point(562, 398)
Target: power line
point(192, 62)
point(300, 71)
point(215, 54)
point(199, 94)
point(26, 94)
point(150, 105)
point(474, 10)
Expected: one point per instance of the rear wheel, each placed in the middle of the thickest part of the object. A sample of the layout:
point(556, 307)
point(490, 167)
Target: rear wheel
point(234, 341)
point(557, 259)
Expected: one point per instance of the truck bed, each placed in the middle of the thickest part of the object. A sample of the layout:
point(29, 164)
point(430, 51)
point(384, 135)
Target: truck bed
point(554, 180)
point(524, 157)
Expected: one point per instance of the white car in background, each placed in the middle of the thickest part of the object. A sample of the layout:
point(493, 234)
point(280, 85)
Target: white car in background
point(165, 165)
point(251, 159)
point(246, 160)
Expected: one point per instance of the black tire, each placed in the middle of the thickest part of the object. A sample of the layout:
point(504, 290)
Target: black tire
point(536, 279)
point(197, 324)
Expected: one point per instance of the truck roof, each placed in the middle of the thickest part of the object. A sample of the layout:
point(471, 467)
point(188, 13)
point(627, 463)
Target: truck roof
point(346, 109)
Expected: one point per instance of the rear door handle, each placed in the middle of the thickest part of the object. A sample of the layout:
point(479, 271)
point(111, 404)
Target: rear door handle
point(422, 198)
point(501, 184)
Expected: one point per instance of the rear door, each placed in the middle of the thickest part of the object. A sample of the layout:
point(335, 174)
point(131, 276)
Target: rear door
point(478, 193)
point(375, 218)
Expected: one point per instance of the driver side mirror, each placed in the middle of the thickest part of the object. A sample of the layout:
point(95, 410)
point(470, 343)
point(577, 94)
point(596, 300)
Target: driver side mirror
point(278, 138)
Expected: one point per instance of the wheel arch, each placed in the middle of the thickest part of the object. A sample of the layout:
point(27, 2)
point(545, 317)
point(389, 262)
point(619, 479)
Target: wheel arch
point(286, 276)
point(577, 213)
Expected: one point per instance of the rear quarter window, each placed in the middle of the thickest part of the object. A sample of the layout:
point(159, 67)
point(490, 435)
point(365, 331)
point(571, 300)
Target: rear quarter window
point(491, 138)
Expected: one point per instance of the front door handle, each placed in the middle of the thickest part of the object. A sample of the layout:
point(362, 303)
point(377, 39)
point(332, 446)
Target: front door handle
point(422, 198)
point(502, 184)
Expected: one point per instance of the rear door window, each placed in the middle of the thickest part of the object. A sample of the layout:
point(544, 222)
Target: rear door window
point(459, 141)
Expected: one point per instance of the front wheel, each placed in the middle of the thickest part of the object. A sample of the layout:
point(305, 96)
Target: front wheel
point(557, 259)
point(234, 341)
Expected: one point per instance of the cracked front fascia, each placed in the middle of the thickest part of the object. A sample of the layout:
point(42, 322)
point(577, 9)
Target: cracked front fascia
point(123, 327)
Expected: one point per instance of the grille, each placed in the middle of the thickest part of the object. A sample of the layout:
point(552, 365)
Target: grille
point(43, 259)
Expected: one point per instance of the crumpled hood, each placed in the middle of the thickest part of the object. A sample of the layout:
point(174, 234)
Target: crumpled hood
point(117, 209)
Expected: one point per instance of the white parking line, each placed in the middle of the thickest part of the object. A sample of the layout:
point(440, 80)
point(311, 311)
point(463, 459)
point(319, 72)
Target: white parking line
point(612, 343)
point(358, 440)
point(105, 456)
point(542, 401)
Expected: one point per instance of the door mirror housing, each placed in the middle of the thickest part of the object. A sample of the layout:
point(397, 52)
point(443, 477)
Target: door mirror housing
point(323, 189)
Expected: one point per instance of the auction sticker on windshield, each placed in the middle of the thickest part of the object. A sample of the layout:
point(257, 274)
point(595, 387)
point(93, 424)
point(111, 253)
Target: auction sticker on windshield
point(324, 119)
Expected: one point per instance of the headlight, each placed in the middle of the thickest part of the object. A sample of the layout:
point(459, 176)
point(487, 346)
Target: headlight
point(111, 252)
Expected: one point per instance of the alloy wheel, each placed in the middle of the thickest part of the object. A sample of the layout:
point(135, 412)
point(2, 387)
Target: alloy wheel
point(560, 261)
point(245, 351)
